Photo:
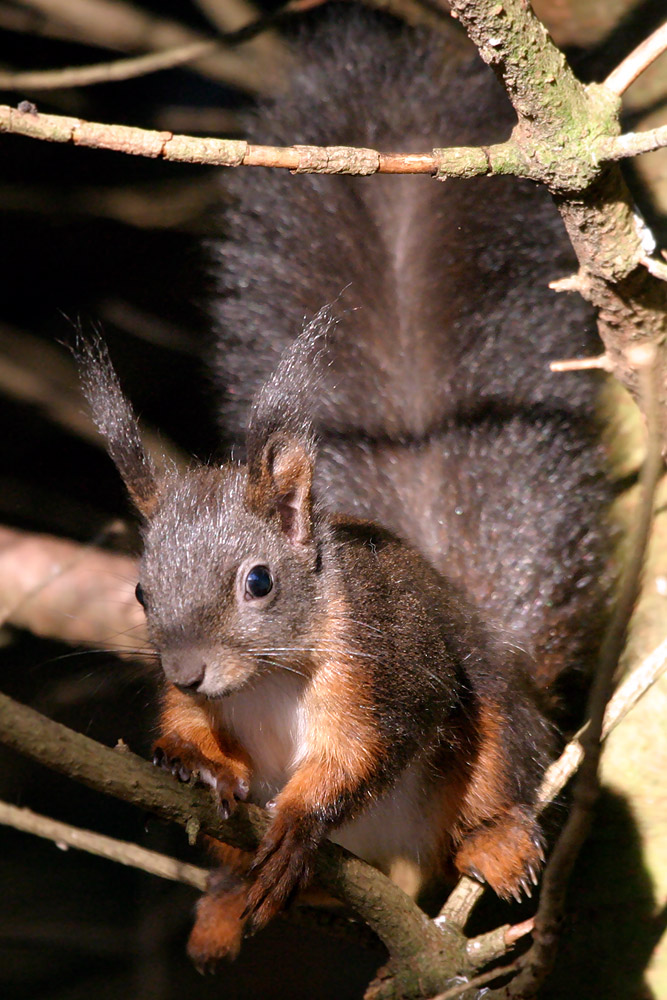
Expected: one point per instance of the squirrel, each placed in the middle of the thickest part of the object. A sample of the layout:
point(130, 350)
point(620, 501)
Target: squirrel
point(363, 620)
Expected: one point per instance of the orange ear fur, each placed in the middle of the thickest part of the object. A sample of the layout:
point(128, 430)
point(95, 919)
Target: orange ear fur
point(282, 482)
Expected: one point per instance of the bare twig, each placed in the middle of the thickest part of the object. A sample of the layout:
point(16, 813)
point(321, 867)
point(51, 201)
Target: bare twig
point(476, 981)
point(658, 268)
point(570, 283)
point(109, 72)
point(621, 147)
point(640, 59)
point(460, 161)
point(638, 682)
point(154, 863)
point(581, 364)
point(105, 847)
point(460, 903)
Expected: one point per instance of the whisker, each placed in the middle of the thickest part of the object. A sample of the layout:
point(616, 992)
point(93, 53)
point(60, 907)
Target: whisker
point(282, 666)
point(115, 650)
point(312, 649)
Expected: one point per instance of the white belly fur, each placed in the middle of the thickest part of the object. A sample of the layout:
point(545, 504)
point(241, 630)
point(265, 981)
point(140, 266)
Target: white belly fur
point(270, 721)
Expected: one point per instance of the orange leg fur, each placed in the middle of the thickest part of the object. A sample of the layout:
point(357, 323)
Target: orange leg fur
point(306, 809)
point(498, 841)
point(343, 752)
point(191, 750)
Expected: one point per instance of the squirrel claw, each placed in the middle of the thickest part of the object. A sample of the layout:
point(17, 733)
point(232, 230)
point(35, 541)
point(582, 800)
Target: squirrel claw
point(506, 853)
point(188, 765)
point(526, 887)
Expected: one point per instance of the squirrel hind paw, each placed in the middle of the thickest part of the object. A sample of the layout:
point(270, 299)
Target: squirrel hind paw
point(506, 853)
point(218, 930)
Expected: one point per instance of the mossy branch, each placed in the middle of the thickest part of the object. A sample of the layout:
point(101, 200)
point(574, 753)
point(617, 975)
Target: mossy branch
point(567, 127)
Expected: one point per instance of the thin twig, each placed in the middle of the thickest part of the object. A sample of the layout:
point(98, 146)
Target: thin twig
point(621, 147)
point(581, 364)
point(105, 847)
point(109, 72)
point(460, 903)
point(640, 59)
point(635, 685)
point(658, 268)
point(65, 835)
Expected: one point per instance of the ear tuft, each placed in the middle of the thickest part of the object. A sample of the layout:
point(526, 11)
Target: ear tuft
point(281, 482)
point(115, 420)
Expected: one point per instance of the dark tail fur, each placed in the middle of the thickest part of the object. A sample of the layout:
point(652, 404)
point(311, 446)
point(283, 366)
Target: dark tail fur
point(437, 415)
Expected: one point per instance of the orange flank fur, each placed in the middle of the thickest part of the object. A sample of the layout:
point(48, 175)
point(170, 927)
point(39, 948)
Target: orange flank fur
point(343, 743)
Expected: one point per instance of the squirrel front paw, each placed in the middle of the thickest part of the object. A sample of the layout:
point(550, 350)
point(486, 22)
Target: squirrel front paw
point(188, 764)
point(283, 865)
point(506, 853)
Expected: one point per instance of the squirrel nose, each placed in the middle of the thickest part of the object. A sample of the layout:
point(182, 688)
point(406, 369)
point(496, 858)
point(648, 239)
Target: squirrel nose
point(190, 685)
point(185, 669)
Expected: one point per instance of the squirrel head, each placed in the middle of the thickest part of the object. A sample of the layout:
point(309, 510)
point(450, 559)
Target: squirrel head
point(230, 576)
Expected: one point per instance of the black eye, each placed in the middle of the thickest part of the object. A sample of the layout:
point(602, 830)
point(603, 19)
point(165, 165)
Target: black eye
point(139, 594)
point(258, 582)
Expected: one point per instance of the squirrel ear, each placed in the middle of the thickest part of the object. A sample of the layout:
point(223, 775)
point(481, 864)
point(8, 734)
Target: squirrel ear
point(116, 421)
point(281, 481)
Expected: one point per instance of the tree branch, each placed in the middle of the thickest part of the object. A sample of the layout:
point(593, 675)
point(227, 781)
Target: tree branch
point(498, 159)
point(107, 72)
